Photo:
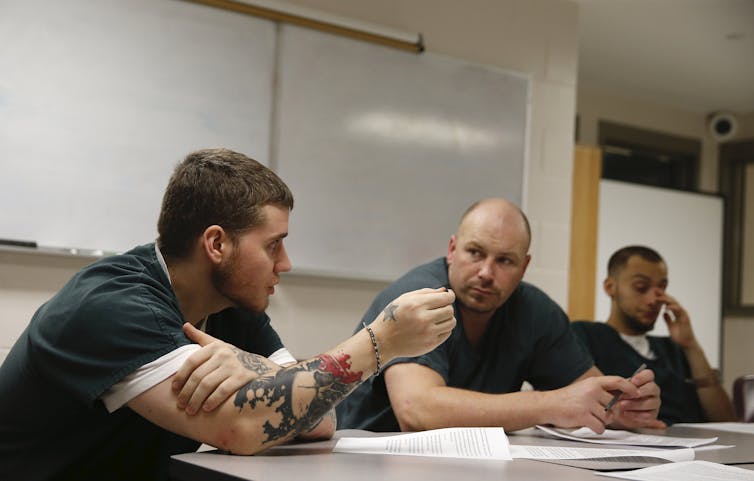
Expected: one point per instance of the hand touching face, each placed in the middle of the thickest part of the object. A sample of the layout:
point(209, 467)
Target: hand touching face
point(678, 322)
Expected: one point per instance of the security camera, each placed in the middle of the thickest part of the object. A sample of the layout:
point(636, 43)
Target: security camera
point(722, 126)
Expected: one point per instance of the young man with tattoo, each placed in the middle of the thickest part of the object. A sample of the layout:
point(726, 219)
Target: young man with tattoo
point(508, 332)
point(106, 383)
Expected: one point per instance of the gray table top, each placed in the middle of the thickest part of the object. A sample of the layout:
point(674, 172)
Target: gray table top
point(316, 461)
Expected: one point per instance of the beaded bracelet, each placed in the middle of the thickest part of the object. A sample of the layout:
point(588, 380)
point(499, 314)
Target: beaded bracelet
point(374, 345)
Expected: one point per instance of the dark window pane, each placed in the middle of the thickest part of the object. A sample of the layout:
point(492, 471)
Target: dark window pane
point(631, 154)
point(676, 172)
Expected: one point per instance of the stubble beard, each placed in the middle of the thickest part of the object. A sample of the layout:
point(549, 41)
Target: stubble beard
point(637, 326)
point(633, 323)
point(223, 279)
point(470, 304)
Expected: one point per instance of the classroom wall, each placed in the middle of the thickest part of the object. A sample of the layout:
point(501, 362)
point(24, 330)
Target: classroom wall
point(595, 103)
point(745, 126)
point(738, 331)
point(536, 37)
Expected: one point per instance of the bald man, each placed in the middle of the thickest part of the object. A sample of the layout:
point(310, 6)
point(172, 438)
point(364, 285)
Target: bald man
point(508, 332)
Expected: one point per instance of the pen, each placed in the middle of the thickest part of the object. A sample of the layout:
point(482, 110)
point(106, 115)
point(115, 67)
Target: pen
point(617, 395)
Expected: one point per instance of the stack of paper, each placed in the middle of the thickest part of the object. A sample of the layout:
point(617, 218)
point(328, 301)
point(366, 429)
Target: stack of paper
point(472, 443)
point(492, 443)
point(559, 452)
point(686, 471)
point(611, 436)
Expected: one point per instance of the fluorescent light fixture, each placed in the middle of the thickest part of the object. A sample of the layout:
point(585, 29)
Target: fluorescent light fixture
point(427, 130)
point(308, 17)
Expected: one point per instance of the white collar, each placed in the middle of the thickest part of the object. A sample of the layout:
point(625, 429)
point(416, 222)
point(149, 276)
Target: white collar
point(161, 260)
point(640, 344)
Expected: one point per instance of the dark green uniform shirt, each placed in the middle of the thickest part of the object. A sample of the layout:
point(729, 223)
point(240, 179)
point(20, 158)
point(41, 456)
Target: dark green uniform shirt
point(111, 318)
point(528, 339)
point(614, 356)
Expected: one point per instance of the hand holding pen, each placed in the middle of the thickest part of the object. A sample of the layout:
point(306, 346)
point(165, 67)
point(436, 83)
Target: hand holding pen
point(637, 411)
point(619, 393)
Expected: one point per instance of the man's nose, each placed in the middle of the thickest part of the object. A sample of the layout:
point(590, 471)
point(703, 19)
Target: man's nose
point(283, 263)
point(655, 295)
point(485, 270)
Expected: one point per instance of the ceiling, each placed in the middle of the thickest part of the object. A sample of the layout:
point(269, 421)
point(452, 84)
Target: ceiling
point(695, 55)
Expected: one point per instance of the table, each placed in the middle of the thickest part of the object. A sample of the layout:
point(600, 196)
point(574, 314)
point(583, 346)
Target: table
point(742, 453)
point(315, 462)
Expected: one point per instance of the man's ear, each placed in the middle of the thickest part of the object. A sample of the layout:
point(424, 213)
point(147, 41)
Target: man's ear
point(451, 249)
point(215, 243)
point(609, 285)
point(527, 259)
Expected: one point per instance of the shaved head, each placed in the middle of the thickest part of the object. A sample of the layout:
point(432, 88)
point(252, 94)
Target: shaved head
point(497, 211)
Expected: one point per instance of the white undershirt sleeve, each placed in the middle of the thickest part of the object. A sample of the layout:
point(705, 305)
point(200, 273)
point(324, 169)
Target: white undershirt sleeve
point(146, 377)
point(281, 357)
point(153, 373)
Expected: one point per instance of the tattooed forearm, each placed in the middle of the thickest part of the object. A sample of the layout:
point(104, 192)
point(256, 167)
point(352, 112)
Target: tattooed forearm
point(330, 378)
point(388, 314)
point(331, 416)
point(252, 362)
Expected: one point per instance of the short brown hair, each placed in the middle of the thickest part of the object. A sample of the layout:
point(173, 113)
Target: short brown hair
point(216, 187)
point(619, 259)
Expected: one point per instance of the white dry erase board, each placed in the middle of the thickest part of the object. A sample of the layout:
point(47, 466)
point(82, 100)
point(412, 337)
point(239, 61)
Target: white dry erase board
point(686, 229)
point(383, 149)
point(99, 99)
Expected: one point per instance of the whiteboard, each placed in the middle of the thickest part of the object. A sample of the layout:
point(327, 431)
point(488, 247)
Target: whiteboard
point(686, 229)
point(385, 149)
point(99, 99)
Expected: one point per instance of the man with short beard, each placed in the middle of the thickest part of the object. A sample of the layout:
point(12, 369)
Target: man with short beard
point(508, 332)
point(636, 282)
point(120, 369)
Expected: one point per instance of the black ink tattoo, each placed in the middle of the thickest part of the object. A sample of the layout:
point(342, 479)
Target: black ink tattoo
point(330, 415)
point(332, 381)
point(388, 314)
point(252, 362)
